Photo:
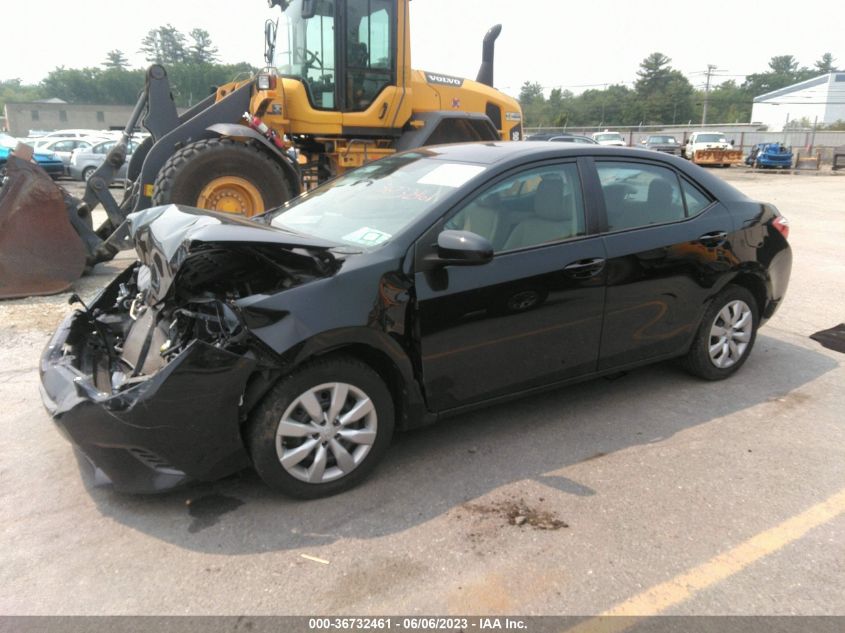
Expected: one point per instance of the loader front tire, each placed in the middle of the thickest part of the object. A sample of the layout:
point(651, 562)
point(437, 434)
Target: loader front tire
point(223, 175)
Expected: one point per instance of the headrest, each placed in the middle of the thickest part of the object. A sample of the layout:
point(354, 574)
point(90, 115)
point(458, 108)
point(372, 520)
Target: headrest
point(660, 192)
point(548, 200)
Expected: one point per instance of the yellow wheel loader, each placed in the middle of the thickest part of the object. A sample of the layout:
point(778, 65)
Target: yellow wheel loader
point(338, 91)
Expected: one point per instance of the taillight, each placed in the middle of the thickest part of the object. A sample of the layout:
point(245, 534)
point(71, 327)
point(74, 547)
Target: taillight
point(782, 225)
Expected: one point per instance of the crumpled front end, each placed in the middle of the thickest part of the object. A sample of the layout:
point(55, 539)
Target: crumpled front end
point(154, 381)
point(148, 415)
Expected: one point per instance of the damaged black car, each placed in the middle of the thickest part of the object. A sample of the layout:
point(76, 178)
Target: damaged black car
point(414, 288)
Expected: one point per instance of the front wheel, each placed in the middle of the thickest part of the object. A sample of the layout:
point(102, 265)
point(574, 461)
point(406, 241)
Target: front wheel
point(223, 175)
point(322, 429)
point(726, 335)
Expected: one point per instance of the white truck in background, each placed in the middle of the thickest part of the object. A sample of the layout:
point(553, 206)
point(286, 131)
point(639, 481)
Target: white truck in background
point(711, 148)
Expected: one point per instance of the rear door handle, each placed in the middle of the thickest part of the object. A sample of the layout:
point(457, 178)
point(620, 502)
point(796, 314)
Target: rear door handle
point(585, 268)
point(716, 238)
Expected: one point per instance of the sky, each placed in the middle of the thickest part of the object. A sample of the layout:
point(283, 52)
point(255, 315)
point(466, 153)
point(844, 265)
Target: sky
point(557, 43)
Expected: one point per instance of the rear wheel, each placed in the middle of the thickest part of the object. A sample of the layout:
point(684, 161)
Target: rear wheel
point(223, 175)
point(322, 429)
point(87, 173)
point(726, 335)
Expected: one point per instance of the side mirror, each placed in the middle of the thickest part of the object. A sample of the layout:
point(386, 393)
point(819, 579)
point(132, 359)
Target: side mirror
point(462, 248)
point(270, 28)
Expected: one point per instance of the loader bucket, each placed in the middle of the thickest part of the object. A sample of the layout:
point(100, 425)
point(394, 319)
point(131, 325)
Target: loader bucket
point(40, 252)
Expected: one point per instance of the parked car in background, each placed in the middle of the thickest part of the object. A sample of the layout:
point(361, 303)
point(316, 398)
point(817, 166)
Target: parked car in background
point(64, 147)
point(711, 148)
point(561, 137)
point(665, 143)
point(413, 288)
point(67, 134)
point(610, 139)
point(49, 161)
point(770, 155)
point(85, 161)
point(572, 138)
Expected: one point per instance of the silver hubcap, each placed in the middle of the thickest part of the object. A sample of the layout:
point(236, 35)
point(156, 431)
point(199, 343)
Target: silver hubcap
point(326, 433)
point(731, 334)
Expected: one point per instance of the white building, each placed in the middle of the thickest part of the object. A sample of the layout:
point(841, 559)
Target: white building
point(822, 97)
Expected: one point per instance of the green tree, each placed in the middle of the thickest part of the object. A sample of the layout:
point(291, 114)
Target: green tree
point(653, 74)
point(74, 85)
point(533, 104)
point(116, 60)
point(164, 45)
point(664, 95)
point(826, 64)
point(120, 87)
point(728, 103)
point(529, 92)
point(202, 51)
point(191, 83)
point(14, 90)
point(783, 71)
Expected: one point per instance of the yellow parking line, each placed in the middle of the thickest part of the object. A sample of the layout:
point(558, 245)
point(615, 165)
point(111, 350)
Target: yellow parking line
point(683, 586)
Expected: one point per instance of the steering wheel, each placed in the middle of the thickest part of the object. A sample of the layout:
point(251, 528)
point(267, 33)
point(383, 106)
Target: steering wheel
point(312, 59)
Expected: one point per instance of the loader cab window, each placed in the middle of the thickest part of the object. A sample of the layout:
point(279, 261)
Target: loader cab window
point(306, 51)
point(370, 46)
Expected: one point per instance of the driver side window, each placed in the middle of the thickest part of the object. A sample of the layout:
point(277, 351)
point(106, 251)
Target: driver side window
point(537, 206)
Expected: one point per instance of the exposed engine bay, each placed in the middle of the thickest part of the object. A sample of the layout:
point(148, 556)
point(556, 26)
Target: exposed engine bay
point(187, 287)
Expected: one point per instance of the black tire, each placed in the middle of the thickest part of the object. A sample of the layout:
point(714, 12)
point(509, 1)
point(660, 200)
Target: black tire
point(192, 168)
point(87, 173)
point(698, 360)
point(262, 432)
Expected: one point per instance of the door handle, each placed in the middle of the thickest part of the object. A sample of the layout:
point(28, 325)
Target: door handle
point(383, 110)
point(716, 238)
point(585, 268)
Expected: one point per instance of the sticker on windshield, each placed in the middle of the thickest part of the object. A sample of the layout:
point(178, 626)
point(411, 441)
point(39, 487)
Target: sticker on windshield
point(451, 175)
point(367, 237)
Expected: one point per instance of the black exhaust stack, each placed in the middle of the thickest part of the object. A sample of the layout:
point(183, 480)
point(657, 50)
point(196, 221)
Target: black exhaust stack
point(485, 73)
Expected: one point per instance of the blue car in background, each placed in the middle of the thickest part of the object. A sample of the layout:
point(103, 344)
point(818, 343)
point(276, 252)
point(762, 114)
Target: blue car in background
point(770, 155)
point(49, 161)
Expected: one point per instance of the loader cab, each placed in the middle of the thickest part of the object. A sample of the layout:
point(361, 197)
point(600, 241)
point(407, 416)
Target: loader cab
point(344, 52)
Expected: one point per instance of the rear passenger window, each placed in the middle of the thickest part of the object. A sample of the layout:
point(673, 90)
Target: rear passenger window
point(638, 195)
point(696, 200)
point(537, 206)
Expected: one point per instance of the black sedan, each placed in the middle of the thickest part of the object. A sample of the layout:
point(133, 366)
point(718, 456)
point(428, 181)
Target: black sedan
point(416, 287)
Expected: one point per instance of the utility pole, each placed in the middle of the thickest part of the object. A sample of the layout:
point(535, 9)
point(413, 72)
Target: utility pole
point(710, 69)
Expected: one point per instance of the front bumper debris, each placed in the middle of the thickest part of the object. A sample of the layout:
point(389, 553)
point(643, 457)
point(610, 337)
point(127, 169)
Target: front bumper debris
point(180, 424)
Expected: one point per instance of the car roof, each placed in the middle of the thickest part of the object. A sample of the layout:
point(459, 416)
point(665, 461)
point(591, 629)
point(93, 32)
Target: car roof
point(505, 155)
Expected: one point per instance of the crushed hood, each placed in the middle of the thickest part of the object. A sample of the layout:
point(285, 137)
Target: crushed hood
point(166, 237)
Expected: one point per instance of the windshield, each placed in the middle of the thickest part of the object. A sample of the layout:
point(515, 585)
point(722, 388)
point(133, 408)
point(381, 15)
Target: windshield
point(608, 137)
point(669, 140)
point(305, 50)
point(370, 205)
point(711, 138)
point(362, 33)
